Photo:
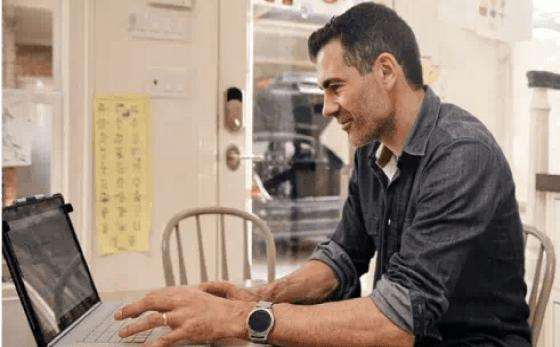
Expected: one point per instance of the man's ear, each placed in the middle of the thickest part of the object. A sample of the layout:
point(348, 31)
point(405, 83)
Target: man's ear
point(388, 69)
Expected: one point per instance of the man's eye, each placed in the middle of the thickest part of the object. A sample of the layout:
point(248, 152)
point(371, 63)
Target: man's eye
point(335, 87)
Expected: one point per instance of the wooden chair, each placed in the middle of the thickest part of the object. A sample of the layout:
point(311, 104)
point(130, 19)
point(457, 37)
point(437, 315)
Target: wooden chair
point(540, 288)
point(221, 213)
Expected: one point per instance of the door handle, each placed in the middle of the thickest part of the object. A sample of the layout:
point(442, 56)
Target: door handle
point(234, 157)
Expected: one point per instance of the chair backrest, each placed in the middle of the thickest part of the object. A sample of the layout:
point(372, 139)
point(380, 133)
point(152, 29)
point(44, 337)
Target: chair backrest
point(540, 287)
point(221, 213)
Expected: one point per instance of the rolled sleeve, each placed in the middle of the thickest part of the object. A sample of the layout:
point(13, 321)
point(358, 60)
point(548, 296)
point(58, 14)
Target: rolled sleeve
point(330, 253)
point(394, 301)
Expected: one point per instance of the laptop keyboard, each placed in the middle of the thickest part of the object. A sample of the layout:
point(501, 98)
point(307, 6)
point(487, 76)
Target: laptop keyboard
point(108, 331)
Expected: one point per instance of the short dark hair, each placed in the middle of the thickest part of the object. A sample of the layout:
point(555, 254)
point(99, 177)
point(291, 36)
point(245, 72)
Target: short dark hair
point(367, 30)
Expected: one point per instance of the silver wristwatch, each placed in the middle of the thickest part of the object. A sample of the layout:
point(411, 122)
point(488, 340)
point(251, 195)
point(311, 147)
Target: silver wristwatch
point(260, 322)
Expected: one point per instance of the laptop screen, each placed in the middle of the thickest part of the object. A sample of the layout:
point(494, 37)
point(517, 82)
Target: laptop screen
point(50, 262)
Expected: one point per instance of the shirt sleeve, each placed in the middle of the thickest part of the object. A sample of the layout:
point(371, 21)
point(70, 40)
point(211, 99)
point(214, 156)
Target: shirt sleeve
point(394, 301)
point(458, 194)
point(350, 249)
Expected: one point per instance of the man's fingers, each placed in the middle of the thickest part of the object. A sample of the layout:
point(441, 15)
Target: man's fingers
point(169, 291)
point(217, 288)
point(154, 320)
point(148, 303)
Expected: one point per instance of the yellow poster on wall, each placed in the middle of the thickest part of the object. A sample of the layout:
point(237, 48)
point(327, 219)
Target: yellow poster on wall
point(123, 202)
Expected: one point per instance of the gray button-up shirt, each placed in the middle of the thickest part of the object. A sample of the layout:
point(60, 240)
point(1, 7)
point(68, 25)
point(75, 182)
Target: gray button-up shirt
point(446, 231)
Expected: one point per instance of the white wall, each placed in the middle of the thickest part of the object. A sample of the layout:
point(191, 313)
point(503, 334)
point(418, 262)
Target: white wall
point(473, 71)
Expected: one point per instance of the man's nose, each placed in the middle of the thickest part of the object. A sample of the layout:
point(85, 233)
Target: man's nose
point(330, 108)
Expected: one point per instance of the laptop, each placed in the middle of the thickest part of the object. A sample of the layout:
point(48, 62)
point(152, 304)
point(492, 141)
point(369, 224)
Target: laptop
point(53, 281)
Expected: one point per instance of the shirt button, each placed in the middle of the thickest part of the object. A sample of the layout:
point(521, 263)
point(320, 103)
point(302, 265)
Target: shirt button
point(389, 222)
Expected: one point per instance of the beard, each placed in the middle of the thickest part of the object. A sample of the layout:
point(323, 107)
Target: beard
point(365, 132)
point(386, 127)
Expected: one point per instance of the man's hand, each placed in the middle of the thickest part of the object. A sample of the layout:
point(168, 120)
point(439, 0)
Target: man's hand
point(229, 290)
point(192, 315)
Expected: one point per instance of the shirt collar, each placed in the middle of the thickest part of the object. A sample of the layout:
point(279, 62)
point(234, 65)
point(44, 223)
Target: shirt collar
point(425, 122)
point(423, 126)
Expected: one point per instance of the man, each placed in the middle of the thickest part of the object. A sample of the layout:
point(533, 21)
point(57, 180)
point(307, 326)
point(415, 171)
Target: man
point(431, 194)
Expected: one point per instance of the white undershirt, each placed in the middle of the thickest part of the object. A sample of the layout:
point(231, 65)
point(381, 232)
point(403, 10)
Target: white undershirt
point(390, 169)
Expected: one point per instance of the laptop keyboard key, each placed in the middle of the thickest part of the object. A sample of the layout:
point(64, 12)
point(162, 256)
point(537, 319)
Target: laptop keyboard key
point(115, 338)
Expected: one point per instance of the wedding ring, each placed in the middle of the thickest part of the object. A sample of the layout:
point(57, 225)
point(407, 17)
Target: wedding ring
point(164, 319)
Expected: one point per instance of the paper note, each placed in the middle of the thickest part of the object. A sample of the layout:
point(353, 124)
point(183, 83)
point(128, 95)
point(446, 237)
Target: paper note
point(122, 172)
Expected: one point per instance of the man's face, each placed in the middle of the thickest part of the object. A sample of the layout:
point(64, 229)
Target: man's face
point(359, 103)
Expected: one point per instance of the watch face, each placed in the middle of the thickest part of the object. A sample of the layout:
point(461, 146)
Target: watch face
point(259, 321)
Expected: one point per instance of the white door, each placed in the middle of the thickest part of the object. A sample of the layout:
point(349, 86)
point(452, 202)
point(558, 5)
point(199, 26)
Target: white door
point(235, 123)
point(189, 138)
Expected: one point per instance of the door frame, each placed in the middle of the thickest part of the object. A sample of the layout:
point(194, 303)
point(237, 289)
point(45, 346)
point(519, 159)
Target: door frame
point(235, 45)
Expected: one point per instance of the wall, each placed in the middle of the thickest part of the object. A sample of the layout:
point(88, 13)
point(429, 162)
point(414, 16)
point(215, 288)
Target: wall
point(472, 70)
point(106, 58)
